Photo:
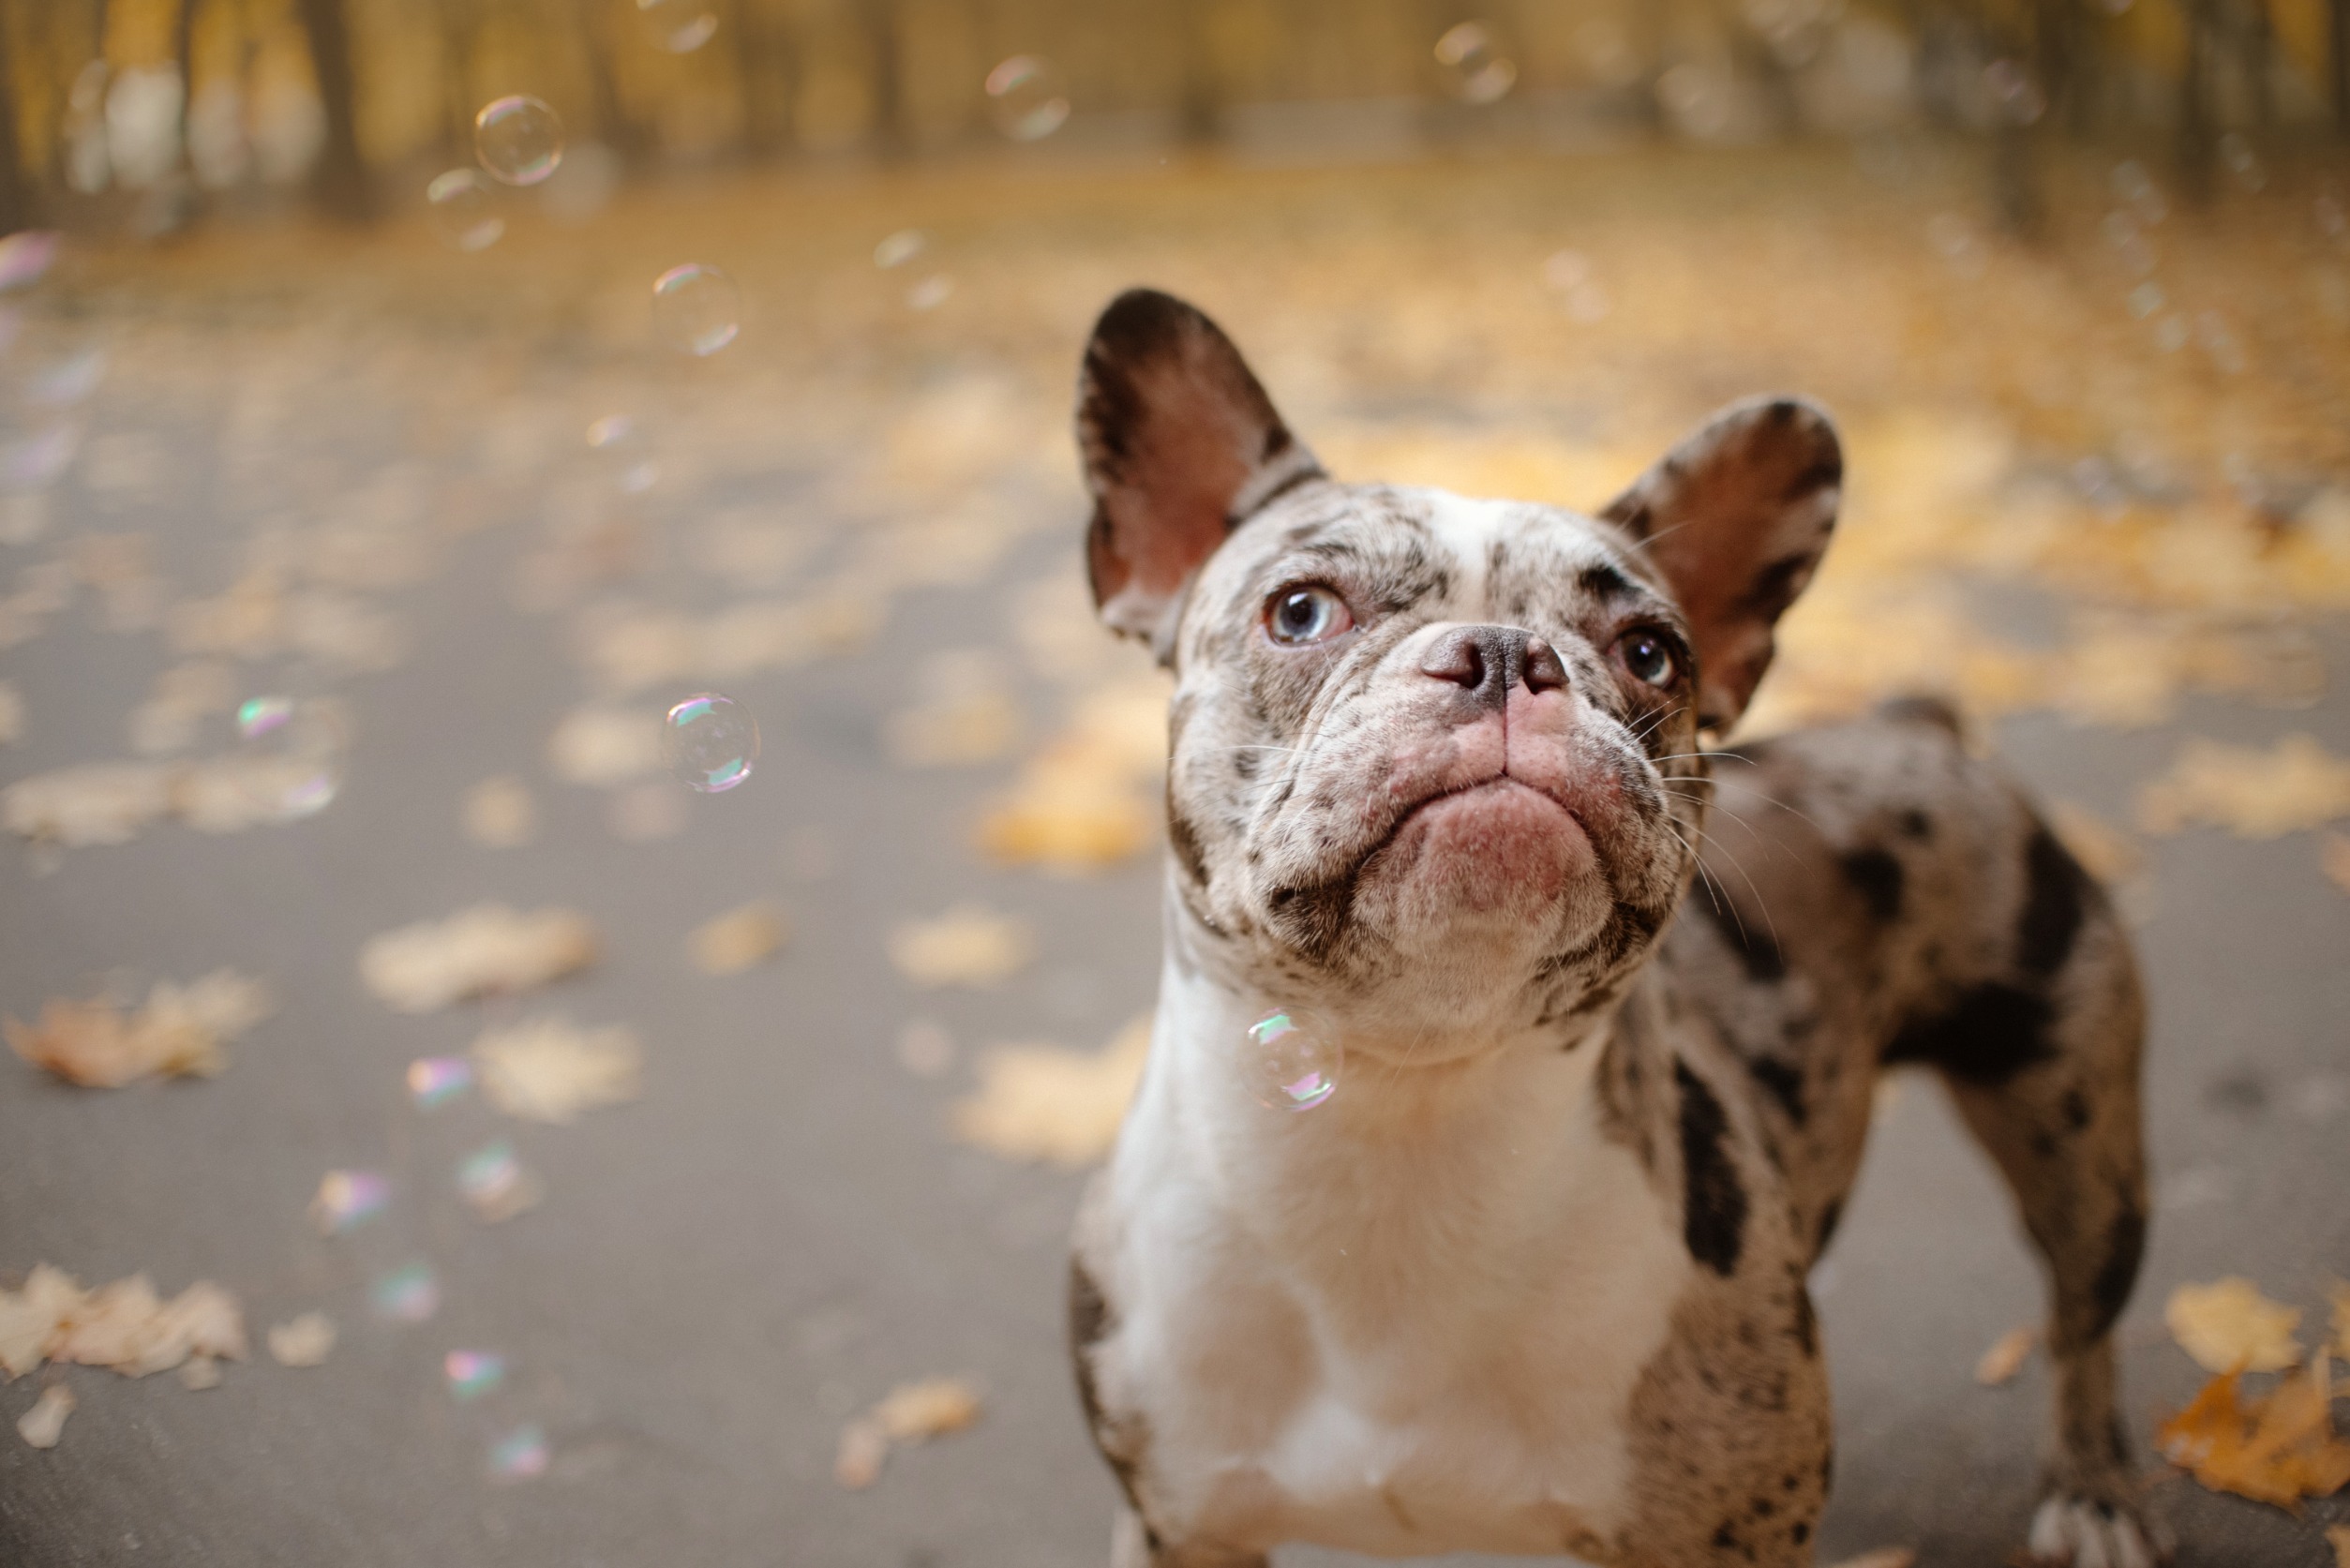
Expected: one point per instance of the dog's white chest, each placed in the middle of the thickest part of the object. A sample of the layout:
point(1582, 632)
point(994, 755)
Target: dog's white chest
point(1396, 1339)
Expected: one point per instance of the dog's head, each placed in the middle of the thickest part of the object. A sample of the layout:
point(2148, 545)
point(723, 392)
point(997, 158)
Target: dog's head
point(1434, 761)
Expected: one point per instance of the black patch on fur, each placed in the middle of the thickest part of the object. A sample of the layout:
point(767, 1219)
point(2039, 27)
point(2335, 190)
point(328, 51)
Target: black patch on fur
point(2125, 1243)
point(1785, 1082)
point(1314, 919)
point(2056, 894)
point(1089, 1322)
point(1713, 1218)
point(1775, 585)
point(1184, 839)
point(1877, 877)
point(1807, 1324)
point(1923, 710)
point(2074, 1105)
point(1801, 1534)
point(1985, 1037)
point(1603, 581)
point(1828, 1217)
point(1917, 825)
point(1753, 944)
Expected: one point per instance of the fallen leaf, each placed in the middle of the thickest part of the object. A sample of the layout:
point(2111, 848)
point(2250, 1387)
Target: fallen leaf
point(302, 1341)
point(123, 1325)
point(549, 1069)
point(199, 1373)
point(105, 802)
point(965, 945)
point(2229, 1326)
point(1883, 1557)
point(2252, 793)
point(2333, 857)
point(34, 1317)
point(45, 1423)
point(1041, 1103)
point(646, 813)
point(603, 746)
point(477, 951)
point(179, 1033)
point(1086, 801)
point(2006, 1356)
point(500, 812)
point(909, 1413)
point(740, 939)
point(2276, 1448)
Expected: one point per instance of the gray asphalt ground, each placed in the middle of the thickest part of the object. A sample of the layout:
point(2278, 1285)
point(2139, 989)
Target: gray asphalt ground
point(783, 1229)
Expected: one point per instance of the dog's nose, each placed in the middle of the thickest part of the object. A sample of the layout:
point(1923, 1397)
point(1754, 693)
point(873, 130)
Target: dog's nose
point(1488, 661)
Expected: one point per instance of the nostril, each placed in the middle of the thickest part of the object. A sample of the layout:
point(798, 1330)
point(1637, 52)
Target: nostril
point(1457, 658)
point(1545, 671)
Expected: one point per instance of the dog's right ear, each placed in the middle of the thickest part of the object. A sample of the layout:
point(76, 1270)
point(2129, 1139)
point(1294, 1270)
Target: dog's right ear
point(1180, 443)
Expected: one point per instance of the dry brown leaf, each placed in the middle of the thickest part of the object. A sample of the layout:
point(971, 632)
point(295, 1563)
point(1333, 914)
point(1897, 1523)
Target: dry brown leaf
point(549, 1069)
point(34, 1317)
point(105, 802)
point(603, 746)
point(909, 1413)
point(199, 1373)
point(2276, 1448)
point(123, 1325)
point(1041, 1103)
point(1086, 800)
point(2229, 1326)
point(2333, 858)
point(45, 1423)
point(476, 952)
point(740, 939)
point(500, 812)
point(965, 945)
point(178, 1033)
point(302, 1341)
point(2006, 1356)
point(1881, 1557)
point(2253, 794)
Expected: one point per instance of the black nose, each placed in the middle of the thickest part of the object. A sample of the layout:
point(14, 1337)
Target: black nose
point(1488, 661)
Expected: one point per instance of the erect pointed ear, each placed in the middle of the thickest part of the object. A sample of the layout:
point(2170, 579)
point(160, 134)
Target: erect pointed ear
point(1735, 519)
point(1180, 443)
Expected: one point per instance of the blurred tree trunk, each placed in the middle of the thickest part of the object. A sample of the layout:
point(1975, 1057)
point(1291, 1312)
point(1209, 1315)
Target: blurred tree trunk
point(767, 66)
point(18, 204)
point(2340, 15)
point(184, 54)
point(341, 180)
point(879, 19)
point(614, 126)
point(1200, 111)
point(2197, 129)
point(2258, 53)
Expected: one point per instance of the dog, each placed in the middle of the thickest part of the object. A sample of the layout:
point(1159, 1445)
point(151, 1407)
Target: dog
point(1533, 1280)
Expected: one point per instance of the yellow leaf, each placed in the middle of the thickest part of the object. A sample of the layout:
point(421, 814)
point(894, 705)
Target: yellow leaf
point(2229, 1326)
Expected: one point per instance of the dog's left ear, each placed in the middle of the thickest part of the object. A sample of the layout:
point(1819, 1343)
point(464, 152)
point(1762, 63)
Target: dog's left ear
point(1735, 519)
point(1180, 443)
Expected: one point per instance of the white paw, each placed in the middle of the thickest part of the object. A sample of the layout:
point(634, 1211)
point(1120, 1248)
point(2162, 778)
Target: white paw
point(2080, 1533)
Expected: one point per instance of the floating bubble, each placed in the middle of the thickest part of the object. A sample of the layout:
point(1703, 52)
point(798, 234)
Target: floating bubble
point(519, 1456)
point(1954, 239)
point(290, 758)
point(710, 741)
point(1475, 67)
point(1569, 274)
point(2147, 299)
point(2136, 190)
point(2016, 99)
point(1288, 1065)
point(24, 257)
point(2172, 333)
point(2219, 341)
point(473, 1373)
point(897, 249)
point(518, 140)
point(65, 381)
point(2333, 221)
point(679, 26)
point(407, 1295)
point(2242, 164)
point(1025, 98)
point(491, 1175)
point(349, 1199)
point(36, 458)
point(930, 293)
point(697, 308)
point(624, 450)
point(465, 210)
point(435, 1081)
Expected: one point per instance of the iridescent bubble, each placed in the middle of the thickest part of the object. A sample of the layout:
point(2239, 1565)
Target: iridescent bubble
point(519, 1456)
point(473, 1373)
point(1288, 1065)
point(1474, 67)
point(348, 1198)
point(2171, 334)
point(710, 743)
point(2145, 299)
point(679, 26)
point(465, 210)
point(2136, 190)
point(2016, 97)
point(621, 446)
point(930, 293)
point(290, 758)
point(25, 257)
point(258, 716)
point(407, 1295)
point(897, 249)
point(435, 1081)
point(2242, 164)
point(697, 308)
point(490, 1175)
point(518, 140)
point(2332, 220)
point(1954, 238)
point(1025, 98)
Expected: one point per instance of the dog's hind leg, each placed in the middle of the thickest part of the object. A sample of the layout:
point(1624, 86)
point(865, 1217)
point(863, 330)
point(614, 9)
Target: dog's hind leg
point(2043, 1066)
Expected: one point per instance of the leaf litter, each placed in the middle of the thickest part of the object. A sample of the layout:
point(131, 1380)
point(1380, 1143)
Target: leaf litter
point(549, 1069)
point(124, 1326)
point(2277, 1446)
point(2252, 793)
point(487, 950)
point(44, 1425)
point(304, 1340)
point(1044, 1104)
point(970, 945)
point(738, 940)
point(2229, 1326)
point(2006, 1356)
point(910, 1413)
point(179, 1033)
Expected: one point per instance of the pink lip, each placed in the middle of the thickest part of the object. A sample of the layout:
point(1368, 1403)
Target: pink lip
point(1491, 781)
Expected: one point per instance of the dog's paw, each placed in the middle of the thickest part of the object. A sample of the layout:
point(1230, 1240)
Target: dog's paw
point(2070, 1531)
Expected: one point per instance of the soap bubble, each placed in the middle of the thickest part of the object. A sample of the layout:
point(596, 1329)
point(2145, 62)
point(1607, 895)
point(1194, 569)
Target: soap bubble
point(435, 1081)
point(679, 26)
point(519, 1456)
point(2136, 190)
point(1954, 237)
point(930, 293)
point(25, 257)
point(621, 446)
point(1569, 274)
point(710, 743)
point(697, 308)
point(465, 210)
point(1475, 70)
point(2242, 164)
point(2015, 95)
point(473, 1373)
point(1025, 98)
point(1288, 1065)
point(347, 1199)
point(407, 1295)
point(35, 456)
point(67, 381)
point(898, 248)
point(518, 140)
point(290, 756)
point(2147, 299)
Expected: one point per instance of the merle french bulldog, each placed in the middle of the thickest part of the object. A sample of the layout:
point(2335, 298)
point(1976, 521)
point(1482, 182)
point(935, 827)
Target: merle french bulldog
point(1533, 1281)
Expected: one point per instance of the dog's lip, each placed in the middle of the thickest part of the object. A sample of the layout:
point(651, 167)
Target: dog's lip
point(1454, 792)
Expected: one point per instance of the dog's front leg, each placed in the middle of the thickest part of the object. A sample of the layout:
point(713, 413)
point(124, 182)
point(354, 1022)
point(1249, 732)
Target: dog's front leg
point(1134, 1545)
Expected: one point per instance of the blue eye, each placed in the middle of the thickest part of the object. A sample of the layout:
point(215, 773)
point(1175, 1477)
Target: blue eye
point(1648, 656)
point(1301, 615)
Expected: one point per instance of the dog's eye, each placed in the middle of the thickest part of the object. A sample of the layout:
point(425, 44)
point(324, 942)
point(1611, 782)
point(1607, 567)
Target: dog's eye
point(1295, 617)
point(1648, 657)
